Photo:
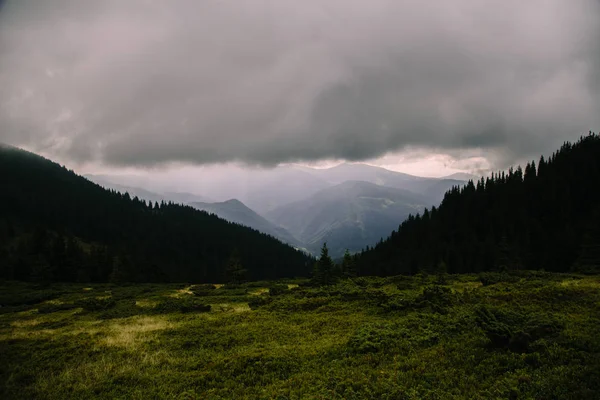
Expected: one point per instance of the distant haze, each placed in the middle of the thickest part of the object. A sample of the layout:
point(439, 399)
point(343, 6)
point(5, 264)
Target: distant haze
point(143, 83)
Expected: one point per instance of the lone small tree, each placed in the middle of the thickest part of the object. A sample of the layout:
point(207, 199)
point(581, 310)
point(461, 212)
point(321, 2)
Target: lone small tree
point(348, 265)
point(325, 271)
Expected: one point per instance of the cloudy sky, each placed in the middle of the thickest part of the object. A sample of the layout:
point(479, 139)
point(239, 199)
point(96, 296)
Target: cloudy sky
point(423, 87)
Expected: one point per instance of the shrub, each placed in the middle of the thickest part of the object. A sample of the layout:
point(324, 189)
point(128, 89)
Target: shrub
point(438, 298)
point(372, 338)
point(293, 304)
point(513, 330)
point(92, 304)
point(183, 305)
point(51, 307)
point(491, 278)
point(232, 286)
point(258, 301)
point(278, 289)
point(203, 290)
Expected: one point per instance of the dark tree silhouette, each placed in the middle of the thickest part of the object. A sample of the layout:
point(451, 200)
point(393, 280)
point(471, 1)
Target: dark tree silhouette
point(56, 225)
point(536, 219)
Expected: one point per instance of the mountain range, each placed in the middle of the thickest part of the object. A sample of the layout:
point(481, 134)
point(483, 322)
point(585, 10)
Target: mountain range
point(350, 215)
point(349, 206)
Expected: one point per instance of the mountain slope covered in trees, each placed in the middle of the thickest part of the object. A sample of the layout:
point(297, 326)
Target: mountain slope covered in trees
point(545, 217)
point(56, 225)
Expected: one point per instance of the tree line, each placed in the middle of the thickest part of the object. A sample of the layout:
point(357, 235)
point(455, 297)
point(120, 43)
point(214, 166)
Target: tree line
point(546, 216)
point(56, 225)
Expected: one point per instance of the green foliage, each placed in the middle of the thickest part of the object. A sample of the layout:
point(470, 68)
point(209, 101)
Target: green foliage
point(373, 338)
point(278, 289)
point(325, 271)
point(515, 330)
point(259, 301)
point(348, 265)
point(183, 304)
point(53, 307)
point(203, 290)
point(93, 304)
point(491, 278)
point(534, 338)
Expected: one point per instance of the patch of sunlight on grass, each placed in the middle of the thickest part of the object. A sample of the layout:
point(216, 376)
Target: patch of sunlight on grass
point(230, 307)
point(87, 375)
point(292, 285)
point(130, 332)
point(55, 301)
point(183, 292)
point(258, 292)
point(582, 283)
point(27, 328)
point(28, 323)
point(462, 286)
point(146, 303)
point(26, 313)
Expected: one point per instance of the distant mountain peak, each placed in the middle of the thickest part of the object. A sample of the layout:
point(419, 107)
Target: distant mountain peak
point(233, 201)
point(461, 176)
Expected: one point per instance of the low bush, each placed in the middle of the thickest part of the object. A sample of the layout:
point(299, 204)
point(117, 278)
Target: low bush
point(93, 304)
point(372, 338)
point(514, 330)
point(184, 305)
point(292, 304)
point(492, 278)
point(51, 307)
point(278, 289)
point(203, 290)
point(259, 301)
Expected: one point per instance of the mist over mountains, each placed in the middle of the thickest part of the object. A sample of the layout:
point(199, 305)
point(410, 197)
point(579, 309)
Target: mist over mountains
point(349, 206)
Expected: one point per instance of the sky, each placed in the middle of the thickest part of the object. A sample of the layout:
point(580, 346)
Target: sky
point(428, 88)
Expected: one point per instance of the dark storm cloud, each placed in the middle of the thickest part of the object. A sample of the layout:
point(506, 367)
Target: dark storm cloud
point(146, 82)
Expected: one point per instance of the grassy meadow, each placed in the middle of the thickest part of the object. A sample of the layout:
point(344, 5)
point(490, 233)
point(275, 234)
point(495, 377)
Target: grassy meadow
point(523, 335)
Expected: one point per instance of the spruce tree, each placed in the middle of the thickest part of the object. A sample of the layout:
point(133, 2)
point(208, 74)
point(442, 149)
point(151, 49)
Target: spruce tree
point(325, 271)
point(348, 265)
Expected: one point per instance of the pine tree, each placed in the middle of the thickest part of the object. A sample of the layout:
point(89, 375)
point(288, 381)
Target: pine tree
point(325, 271)
point(348, 265)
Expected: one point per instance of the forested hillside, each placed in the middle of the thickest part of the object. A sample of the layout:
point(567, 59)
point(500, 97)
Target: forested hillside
point(56, 225)
point(545, 217)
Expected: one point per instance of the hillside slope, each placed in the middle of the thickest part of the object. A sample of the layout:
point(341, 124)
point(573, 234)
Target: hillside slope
point(56, 225)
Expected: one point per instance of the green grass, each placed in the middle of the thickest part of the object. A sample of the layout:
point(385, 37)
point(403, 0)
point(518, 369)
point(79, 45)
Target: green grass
point(523, 335)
